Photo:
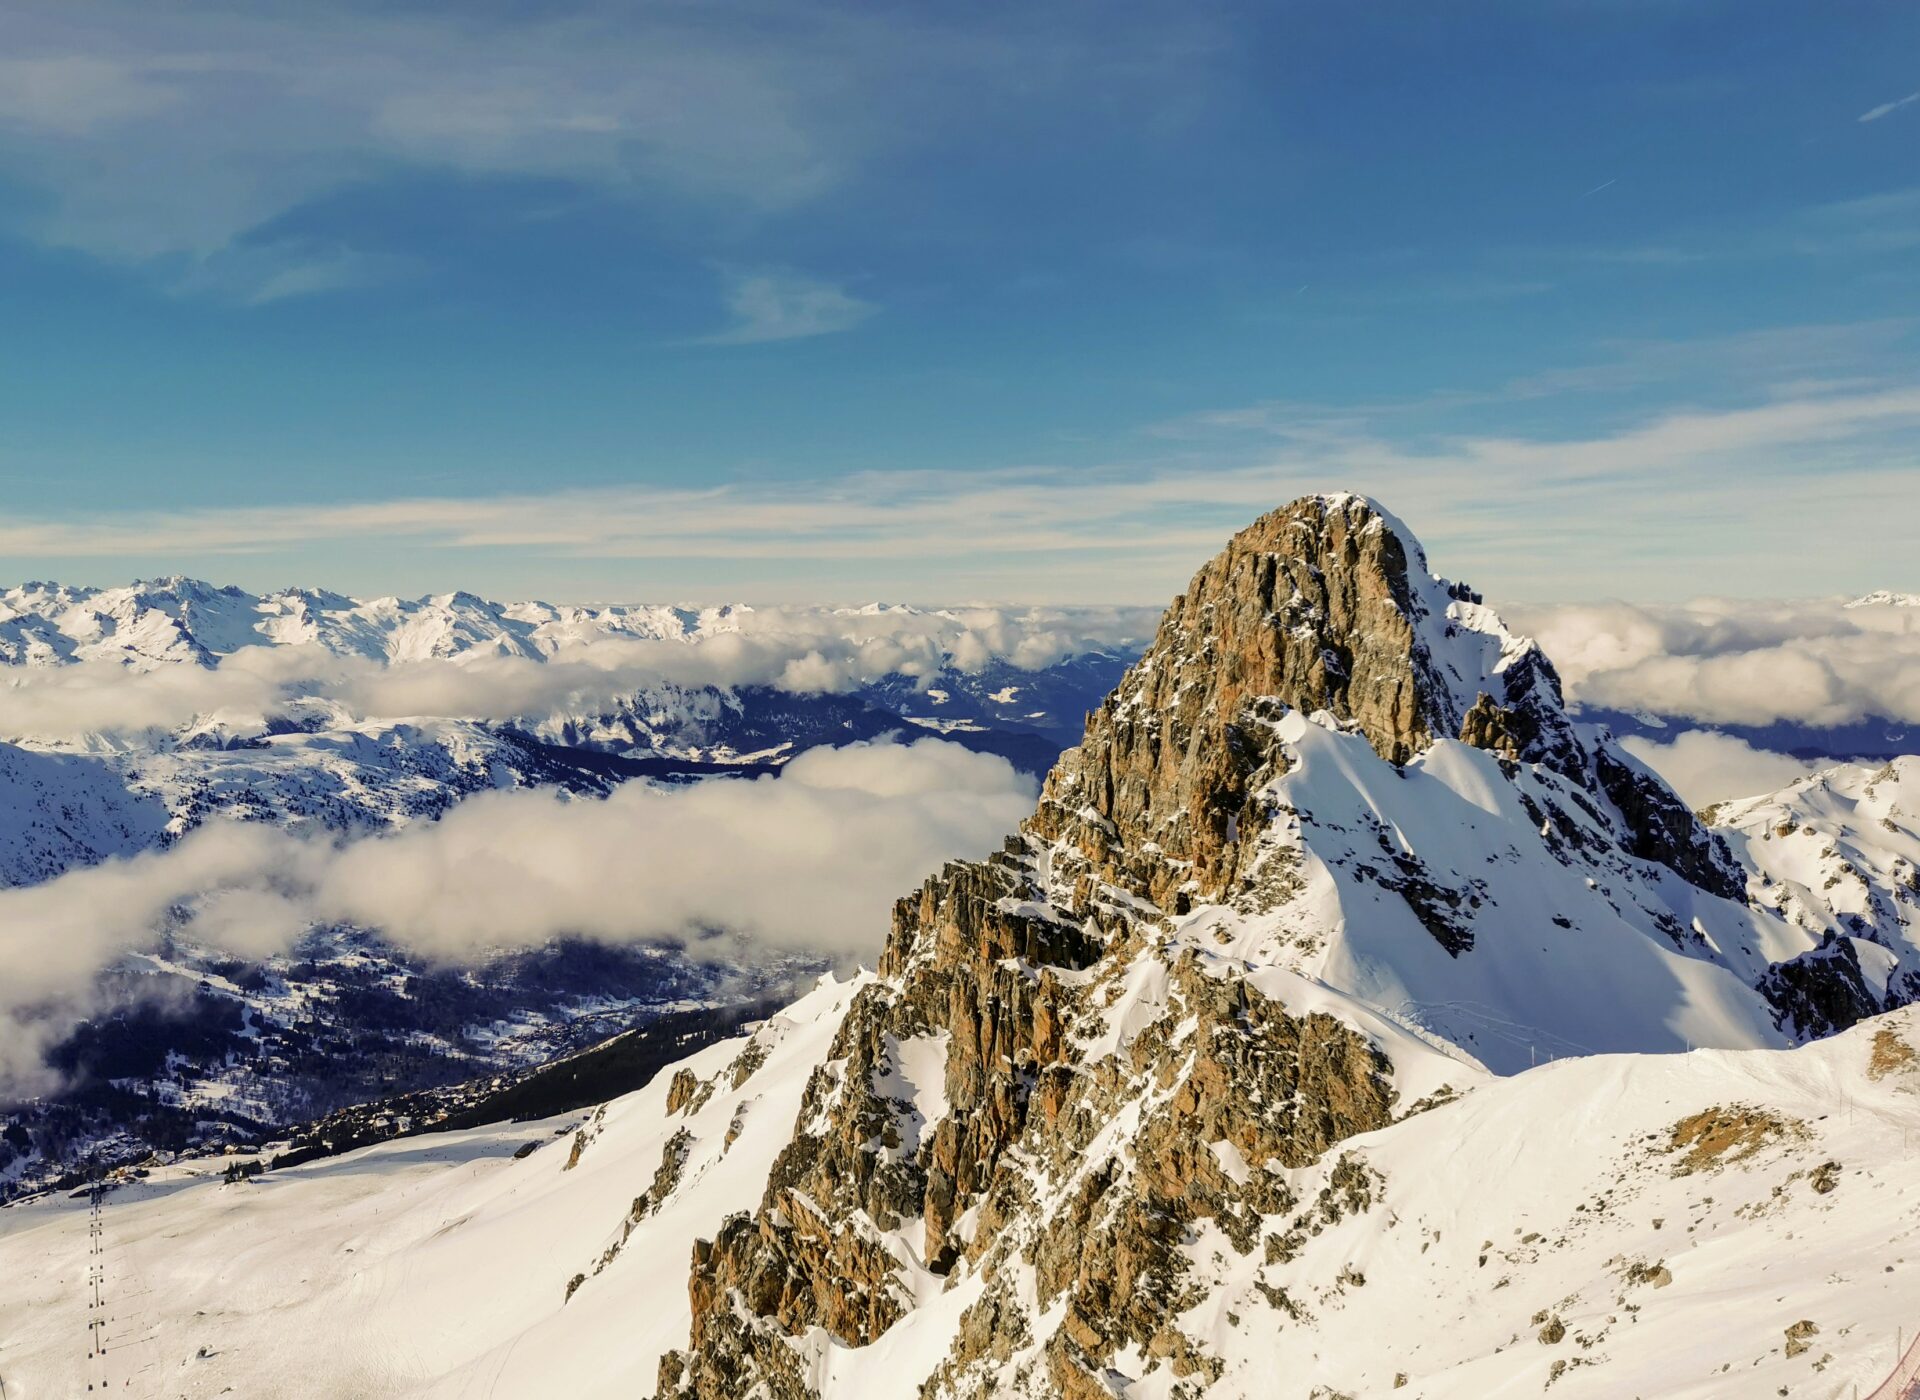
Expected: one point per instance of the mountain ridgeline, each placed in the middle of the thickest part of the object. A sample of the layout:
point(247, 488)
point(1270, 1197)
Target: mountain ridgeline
point(1331, 851)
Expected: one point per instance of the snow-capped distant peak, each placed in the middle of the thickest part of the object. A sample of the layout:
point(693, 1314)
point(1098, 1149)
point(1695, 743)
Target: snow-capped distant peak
point(1886, 598)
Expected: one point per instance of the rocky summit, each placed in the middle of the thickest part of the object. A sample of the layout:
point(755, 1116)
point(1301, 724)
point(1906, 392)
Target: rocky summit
point(1331, 851)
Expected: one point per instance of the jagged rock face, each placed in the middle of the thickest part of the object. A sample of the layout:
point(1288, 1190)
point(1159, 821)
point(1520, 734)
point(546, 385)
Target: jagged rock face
point(1311, 606)
point(1320, 606)
point(1822, 991)
point(1060, 1085)
point(1232, 1091)
point(1224, 1090)
point(1661, 828)
point(1837, 855)
point(965, 971)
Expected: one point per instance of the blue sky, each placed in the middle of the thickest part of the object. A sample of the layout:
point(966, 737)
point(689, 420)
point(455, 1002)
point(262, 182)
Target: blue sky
point(1023, 302)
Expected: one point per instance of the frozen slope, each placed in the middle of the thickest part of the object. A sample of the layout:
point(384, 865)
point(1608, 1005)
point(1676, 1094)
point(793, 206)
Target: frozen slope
point(1609, 1226)
point(439, 1266)
point(430, 1266)
point(1432, 891)
point(59, 811)
point(1836, 856)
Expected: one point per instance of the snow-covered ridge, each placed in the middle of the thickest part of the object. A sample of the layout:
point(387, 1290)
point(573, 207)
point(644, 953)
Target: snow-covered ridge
point(1886, 598)
point(178, 619)
point(308, 705)
point(176, 661)
point(1466, 646)
point(1837, 856)
point(1601, 1227)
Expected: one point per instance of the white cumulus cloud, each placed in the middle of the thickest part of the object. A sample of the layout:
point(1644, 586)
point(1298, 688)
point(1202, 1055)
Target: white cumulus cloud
point(787, 306)
point(810, 860)
point(1737, 661)
point(1704, 767)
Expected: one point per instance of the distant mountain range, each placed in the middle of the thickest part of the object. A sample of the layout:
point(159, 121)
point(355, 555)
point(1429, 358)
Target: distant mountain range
point(205, 1048)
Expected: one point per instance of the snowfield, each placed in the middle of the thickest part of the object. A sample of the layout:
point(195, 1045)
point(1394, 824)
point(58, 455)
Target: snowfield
point(1541, 1230)
point(430, 1266)
point(1572, 956)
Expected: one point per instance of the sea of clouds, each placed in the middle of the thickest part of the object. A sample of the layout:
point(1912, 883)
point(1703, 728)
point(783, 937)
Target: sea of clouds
point(810, 861)
point(1739, 662)
point(799, 650)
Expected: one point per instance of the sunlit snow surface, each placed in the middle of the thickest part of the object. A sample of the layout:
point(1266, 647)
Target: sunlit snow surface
point(438, 1266)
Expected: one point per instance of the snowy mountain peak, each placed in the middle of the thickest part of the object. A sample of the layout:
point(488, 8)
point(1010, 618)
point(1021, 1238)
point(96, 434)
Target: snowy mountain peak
point(1329, 854)
point(1325, 607)
point(1886, 598)
point(183, 588)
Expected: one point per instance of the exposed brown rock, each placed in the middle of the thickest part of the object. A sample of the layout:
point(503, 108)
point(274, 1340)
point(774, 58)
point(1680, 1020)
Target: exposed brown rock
point(680, 1091)
point(1891, 1056)
point(1311, 607)
point(1012, 961)
point(1798, 1334)
point(1715, 1137)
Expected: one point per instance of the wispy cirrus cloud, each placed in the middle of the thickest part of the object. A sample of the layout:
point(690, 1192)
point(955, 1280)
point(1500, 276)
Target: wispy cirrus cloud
point(775, 304)
point(1887, 109)
point(156, 133)
point(1664, 505)
point(1864, 226)
point(166, 137)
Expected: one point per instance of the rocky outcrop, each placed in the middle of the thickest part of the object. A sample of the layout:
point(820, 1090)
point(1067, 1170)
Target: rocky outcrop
point(1821, 991)
point(1230, 1089)
point(1661, 828)
point(988, 1114)
point(1324, 605)
point(1311, 607)
point(972, 964)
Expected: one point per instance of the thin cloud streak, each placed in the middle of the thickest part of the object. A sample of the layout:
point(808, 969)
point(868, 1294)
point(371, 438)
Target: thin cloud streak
point(1573, 512)
point(777, 305)
point(1887, 109)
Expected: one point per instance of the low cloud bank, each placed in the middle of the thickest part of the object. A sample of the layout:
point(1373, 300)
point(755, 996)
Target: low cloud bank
point(1704, 767)
point(801, 651)
point(810, 860)
point(1720, 661)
